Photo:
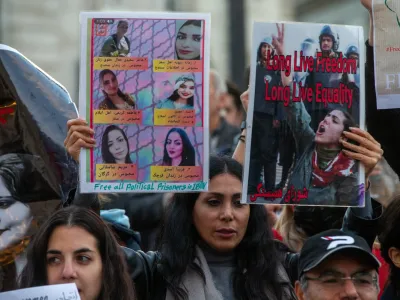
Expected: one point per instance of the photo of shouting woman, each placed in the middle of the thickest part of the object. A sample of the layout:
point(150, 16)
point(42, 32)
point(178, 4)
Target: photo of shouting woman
point(188, 41)
point(117, 44)
point(115, 146)
point(183, 95)
point(114, 98)
point(178, 150)
point(327, 157)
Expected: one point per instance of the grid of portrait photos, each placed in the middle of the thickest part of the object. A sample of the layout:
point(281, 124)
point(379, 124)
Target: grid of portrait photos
point(143, 91)
point(295, 150)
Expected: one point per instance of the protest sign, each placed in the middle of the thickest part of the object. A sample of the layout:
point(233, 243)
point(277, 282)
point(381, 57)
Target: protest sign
point(144, 91)
point(48, 292)
point(293, 149)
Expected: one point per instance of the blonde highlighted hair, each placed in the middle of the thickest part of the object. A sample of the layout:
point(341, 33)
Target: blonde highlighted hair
point(293, 236)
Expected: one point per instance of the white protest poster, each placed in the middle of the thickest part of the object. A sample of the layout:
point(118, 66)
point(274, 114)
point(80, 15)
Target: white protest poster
point(386, 15)
point(293, 144)
point(144, 91)
point(48, 292)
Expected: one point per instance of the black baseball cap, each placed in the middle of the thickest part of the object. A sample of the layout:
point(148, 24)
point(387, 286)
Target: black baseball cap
point(321, 246)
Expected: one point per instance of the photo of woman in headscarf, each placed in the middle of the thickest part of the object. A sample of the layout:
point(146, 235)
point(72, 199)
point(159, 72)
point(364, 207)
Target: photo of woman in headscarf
point(115, 146)
point(117, 44)
point(188, 41)
point(178, 150)
point(183, 95)
point(114, 98)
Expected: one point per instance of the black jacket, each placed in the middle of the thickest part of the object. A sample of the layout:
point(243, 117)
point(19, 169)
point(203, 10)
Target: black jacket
point(144, 210)
point(260, 104)
point(145, 272)
point(383, 124)
point(389, 293)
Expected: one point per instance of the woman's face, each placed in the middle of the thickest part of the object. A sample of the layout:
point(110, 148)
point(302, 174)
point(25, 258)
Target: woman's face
point(174, 145)
point(110, 84)
point(186, 89)
point(219, 217)
point(232, 115)
point(330, 129)
point(73, 257)
point(122, 28)
point(14, 221)
point(117, 145)
point(188, 42)
point(264, 50)
point(14, 218)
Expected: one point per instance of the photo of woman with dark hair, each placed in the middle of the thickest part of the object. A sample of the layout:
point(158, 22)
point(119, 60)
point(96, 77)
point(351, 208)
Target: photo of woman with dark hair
point(114, 98)
point(183, 95)
point(178, 150)
point(115, 146)
point(188, 41)
point(117, 44)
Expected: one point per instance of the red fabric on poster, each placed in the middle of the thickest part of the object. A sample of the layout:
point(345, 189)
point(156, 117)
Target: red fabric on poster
point(340, 166)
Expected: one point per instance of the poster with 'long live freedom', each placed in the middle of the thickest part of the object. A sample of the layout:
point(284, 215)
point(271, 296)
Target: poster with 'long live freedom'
point(294, 143)
point(144, 92)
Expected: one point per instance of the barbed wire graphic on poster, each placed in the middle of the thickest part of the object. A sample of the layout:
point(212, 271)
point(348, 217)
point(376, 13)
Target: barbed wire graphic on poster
point(144, 92)
point(386, 52)
point(293, 146)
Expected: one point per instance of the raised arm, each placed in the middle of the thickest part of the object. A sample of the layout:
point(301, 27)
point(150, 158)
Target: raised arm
point(297, 116)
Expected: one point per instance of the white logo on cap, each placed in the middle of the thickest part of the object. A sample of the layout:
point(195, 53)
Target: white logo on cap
point(338, 240)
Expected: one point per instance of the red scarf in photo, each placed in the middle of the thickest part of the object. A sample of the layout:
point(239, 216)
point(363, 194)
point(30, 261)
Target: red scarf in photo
point(339, 166)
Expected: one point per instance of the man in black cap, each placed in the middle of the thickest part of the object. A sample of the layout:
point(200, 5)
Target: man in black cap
point(337, 265)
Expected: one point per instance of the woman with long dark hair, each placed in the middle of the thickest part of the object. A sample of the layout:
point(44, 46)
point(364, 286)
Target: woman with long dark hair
point(188, 41)
point(211, 247)
point(75, 246)
point(223, 249)
point(115, 146)
point(183, 95)
point(114, 98)
point(178, 150)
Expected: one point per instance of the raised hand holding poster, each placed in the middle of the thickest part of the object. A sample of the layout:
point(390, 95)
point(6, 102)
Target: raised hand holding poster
point(144, 91)
point(294, 153)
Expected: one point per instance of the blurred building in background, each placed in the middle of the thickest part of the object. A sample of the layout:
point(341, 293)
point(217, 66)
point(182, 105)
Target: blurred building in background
point(342, 12)
point(47, 31)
